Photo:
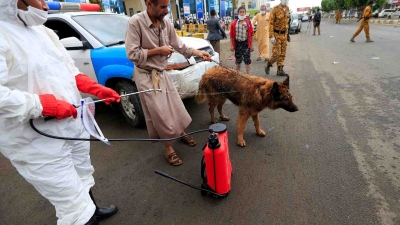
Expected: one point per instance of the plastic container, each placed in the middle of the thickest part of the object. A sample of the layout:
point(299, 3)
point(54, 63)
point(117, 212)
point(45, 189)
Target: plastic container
point(218, 166)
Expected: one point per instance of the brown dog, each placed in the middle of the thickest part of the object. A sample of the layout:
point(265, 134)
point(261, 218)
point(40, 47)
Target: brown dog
point(252, 94)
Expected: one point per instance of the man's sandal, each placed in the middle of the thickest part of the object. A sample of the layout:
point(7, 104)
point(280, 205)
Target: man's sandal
point(173, 159)
point(189, 141)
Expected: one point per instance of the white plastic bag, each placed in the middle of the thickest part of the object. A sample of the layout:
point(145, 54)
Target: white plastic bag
point(90, 124)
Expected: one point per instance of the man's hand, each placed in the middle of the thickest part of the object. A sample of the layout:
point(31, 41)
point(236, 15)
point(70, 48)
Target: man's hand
point(204, 55)
point(272, 40)
point(232, 48)
point(251, 48)
point(165, 50)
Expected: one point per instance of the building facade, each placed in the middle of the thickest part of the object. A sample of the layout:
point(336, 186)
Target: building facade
point(182, 8)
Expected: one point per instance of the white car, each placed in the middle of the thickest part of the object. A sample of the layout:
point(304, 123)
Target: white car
point(394, 15)
point(95, 41)
point(385, 13)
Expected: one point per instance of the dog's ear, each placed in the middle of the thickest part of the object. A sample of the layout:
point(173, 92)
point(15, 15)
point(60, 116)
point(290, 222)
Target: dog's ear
point(276, 95)
point(286, 82)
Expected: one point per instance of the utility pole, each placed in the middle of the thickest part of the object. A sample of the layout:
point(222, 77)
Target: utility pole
point(204, 10)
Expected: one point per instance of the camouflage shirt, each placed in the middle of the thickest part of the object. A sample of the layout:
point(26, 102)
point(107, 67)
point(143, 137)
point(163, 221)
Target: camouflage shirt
point(367, 13)
point(278, 19)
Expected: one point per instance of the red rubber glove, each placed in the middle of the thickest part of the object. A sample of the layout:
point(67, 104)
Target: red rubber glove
point(56, 108)
point(89, 86)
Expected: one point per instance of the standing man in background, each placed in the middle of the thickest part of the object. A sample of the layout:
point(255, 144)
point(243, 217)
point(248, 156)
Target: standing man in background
point(216, 32)
point(338, 16)
point(290, 22)
point(262, 20)
point(278, 28)
point(317, 21)
point(364, 22)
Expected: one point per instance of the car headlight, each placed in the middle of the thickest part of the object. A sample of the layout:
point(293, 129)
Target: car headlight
point(207, 49)
point(177, 62)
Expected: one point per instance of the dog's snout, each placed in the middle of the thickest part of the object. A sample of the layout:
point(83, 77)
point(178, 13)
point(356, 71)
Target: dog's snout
point(294, 108)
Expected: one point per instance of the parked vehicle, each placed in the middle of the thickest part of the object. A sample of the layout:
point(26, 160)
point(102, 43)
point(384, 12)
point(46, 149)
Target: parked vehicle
point(295, 26)
point(385, 13)
point(304, 18)
point(96, 42)
point(395, 14)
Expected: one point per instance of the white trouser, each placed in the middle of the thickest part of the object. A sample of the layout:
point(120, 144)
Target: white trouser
point(60, 170)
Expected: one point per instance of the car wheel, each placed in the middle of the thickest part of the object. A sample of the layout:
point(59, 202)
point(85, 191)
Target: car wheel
point(389, 17)
point(130, 106)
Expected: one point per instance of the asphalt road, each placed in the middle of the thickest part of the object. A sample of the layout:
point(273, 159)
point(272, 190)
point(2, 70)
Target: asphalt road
point(333, 162)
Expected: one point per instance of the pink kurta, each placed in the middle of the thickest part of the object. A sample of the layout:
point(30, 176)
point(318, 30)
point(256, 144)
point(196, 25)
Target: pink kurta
point(165, 114)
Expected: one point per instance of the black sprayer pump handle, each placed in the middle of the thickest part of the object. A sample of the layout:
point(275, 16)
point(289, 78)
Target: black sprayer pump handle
point(184, 183)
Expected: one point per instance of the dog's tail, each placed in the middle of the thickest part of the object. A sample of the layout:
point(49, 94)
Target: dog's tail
point(201, 95)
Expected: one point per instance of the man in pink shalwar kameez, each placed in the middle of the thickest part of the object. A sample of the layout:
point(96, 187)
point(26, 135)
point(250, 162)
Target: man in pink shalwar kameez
point(149, 39)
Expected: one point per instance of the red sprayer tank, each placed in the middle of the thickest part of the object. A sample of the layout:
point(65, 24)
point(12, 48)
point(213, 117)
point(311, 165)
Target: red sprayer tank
point(218, 167)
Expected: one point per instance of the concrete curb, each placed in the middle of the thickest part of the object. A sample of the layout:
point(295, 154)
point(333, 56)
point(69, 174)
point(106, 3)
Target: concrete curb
point(371, 21)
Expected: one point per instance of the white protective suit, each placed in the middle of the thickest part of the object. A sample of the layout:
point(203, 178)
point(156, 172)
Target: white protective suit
point(34, 62)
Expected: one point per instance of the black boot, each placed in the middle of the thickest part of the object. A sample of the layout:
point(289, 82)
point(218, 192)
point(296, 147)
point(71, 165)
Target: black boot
point(268, 68)
point(281, 73)
point(103, 213)
point(92, 221)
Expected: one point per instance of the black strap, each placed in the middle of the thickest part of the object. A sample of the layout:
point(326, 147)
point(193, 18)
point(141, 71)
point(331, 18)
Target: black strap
point(203, 169)
point(280, 31)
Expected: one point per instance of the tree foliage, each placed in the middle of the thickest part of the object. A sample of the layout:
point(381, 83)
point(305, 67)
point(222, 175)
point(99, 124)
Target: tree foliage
point(329, 5)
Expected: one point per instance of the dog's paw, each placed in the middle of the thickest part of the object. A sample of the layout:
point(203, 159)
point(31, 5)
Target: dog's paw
point(261, 133)
point(214, 120)
point(241, 143)
point(225, 118)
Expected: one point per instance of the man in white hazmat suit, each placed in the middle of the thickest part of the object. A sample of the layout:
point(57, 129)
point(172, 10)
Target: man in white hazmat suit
point(39, 78)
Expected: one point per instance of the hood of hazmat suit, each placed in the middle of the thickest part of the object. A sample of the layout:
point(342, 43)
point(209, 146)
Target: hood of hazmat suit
point(34, 62)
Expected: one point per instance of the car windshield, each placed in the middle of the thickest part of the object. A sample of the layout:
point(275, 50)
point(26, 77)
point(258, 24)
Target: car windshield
point(109, 29)
point(295, 16)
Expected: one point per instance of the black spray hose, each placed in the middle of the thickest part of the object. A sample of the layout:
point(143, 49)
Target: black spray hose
point(184, 183)
point(114, 139)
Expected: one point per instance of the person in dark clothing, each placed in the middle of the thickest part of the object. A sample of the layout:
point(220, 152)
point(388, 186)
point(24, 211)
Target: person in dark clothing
point(216, 32)
point(290, 22)
point(317, 21)
point(176, 25)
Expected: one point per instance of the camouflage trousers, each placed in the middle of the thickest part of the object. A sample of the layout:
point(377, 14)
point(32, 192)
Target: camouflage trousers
point(279, 49)
point(363, 25)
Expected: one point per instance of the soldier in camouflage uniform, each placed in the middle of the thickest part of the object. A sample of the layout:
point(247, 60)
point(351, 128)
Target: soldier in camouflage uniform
point(364, 25)
point(278, 26)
